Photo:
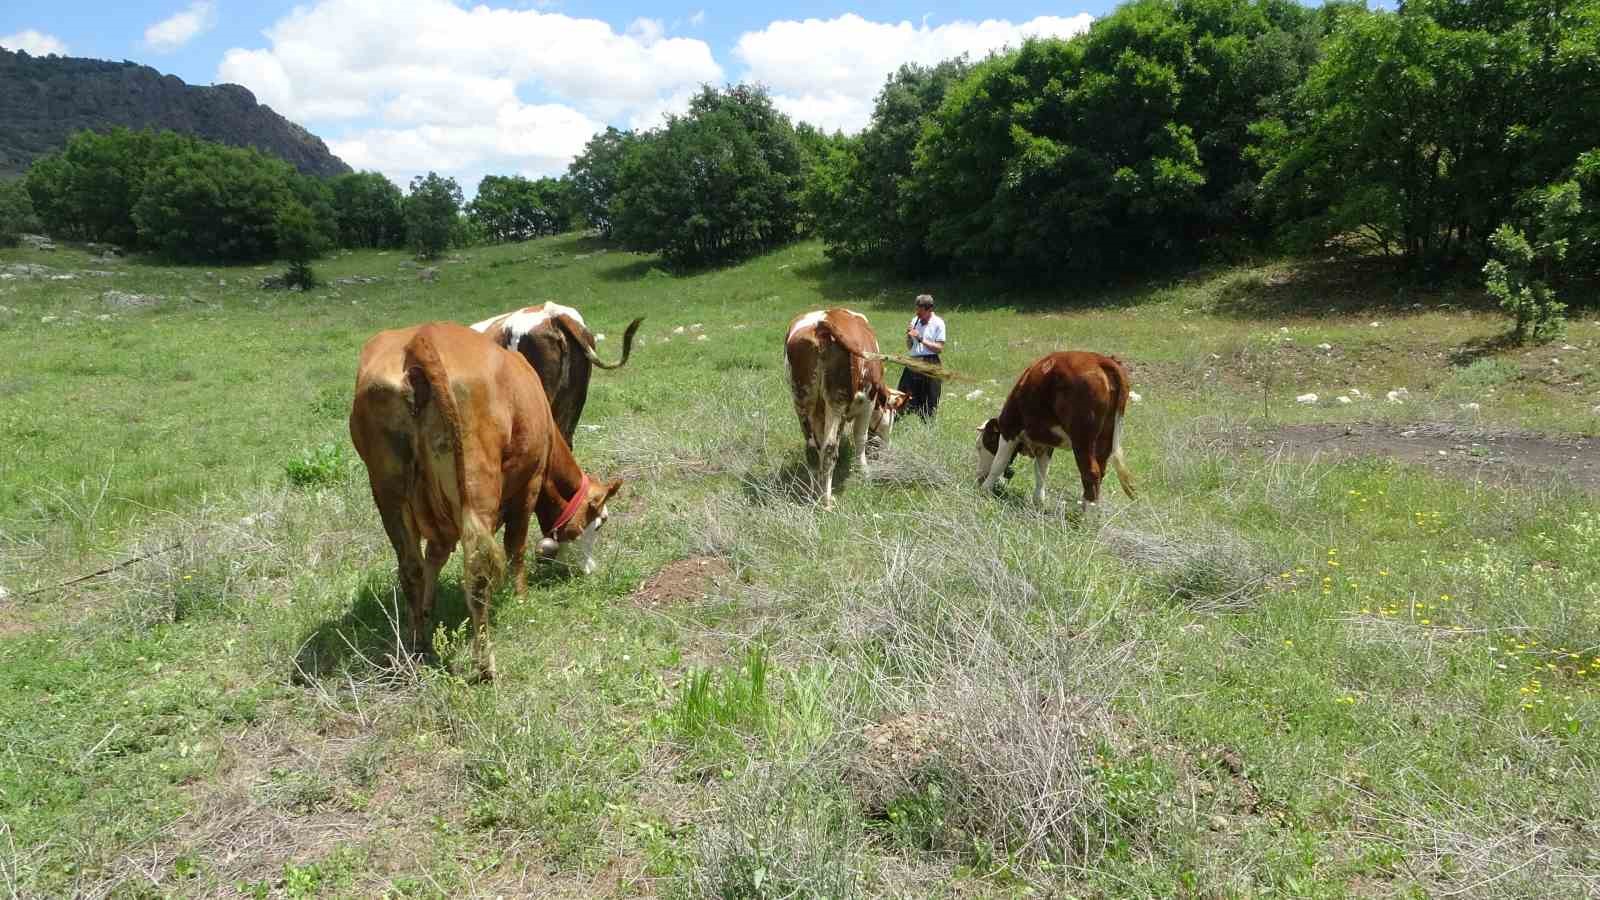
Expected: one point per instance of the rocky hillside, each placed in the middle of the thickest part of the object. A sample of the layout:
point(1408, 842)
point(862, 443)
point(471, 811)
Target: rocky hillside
point(45, 99)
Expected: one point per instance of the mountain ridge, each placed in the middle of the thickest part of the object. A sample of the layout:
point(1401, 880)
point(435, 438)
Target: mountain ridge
point(45, 99)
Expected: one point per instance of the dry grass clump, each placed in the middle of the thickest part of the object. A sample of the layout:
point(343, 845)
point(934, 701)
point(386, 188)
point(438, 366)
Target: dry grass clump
point(994, 687)
point(780, 833)
point(1207, 568)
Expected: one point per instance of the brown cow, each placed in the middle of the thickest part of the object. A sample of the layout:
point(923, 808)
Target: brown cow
point(457, 438)
point(555, 340)
point(836, 384)
point(1066, 397)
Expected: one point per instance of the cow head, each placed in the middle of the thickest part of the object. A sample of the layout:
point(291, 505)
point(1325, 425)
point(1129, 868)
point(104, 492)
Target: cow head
point(889, 404)
point(988, 446)
point(581, 530)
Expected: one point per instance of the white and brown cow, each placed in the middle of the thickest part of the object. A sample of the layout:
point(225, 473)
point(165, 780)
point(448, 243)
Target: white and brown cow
point(557, 343)
point(1065, 398)
point(836, 384)
point(458, 440)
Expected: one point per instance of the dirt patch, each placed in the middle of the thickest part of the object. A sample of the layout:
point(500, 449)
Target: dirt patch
point(1491, 456)
point(683, 581)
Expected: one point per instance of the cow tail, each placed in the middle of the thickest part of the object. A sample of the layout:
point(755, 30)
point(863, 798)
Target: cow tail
point(586, 350)
point(441, 464)
point(1118, 376)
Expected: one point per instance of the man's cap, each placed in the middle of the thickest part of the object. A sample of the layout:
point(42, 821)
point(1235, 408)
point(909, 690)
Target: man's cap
point(925, 300)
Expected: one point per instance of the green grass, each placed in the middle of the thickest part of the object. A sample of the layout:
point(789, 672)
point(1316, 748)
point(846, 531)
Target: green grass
point(1268, 676)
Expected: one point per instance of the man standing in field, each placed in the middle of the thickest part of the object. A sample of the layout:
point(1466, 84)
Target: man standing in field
point(924, 339)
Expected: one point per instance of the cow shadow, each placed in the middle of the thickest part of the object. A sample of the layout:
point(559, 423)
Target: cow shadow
point(365, 640)
point(791, 481)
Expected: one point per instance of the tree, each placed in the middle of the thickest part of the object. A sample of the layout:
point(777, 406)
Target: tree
point(368, 210)
point(88, 190)
point(594, 176)
point(16, 212)
point(855, 192)
point(1424, 127)
point(512, 208)
point(301, 238)
point(715, 184)
point(212, 202)
point(431, 210)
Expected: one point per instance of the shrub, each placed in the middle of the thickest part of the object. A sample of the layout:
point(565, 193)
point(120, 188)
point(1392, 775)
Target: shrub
point(16, 213)
point(1535, 312)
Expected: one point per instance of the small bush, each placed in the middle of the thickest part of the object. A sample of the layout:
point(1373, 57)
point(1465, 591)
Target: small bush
point(1535, 313)
point(321, 467)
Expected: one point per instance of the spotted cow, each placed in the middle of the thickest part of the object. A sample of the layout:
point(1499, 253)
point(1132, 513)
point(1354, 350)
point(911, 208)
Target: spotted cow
point(1066, 398)
point(836, 384)
point(458, 440)
point(558, 344)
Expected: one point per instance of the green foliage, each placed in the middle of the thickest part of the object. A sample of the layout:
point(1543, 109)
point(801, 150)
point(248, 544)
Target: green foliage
point(16, 212)
point(89, 189)
point(1422, 128)
point(716, 184)
point(368, 210)
point(856, 188)
point(1535, 313)
point(512, 208)
point(595, 177)
point(213, 202)
point(301, 238)
point(431, 211)
point(323, 466)
point(1123, 144)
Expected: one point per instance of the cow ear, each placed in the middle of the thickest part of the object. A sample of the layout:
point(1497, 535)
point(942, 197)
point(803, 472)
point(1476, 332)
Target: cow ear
point(612, 488)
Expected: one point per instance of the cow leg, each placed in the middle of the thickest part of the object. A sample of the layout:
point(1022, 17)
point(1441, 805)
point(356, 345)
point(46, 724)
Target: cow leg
point(479, 570)
point(1089, 470)
point(862, 409)
point(1002, 460)
point(413, 580)
point(438, 554)
point(516, 548)
point(830, 458)
point(1041, 468)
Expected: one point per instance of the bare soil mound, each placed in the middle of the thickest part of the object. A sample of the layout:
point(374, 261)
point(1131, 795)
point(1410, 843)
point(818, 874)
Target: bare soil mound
point(1492, 456)
point(683, 581)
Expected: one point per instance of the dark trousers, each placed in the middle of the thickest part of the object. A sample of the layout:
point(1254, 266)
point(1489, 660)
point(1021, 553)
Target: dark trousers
point(924, 391)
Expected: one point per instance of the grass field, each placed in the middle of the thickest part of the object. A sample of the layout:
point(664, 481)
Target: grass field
point(1274, 674)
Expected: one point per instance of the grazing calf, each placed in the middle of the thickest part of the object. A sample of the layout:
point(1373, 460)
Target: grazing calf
point(555, 340)
point(836, 384)
point(1066, 397)
point(457, 439)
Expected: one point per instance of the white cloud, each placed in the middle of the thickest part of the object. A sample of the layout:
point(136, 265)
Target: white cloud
point(343, 59)
point(431, 85)
point(169, 34)
point(532, 140)
point(698, 19)
point(827, 71)
point(34, 43)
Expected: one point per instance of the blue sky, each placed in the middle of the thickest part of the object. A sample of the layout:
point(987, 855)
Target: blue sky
point(517, 86)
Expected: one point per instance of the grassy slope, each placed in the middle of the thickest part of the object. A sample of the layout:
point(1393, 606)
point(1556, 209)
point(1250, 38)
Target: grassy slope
point(1394, 707)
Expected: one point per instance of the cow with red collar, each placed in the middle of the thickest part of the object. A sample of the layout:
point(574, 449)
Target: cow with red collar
point(556, 341)
point(458, 440)
point(1070, 398)
point(837, 381)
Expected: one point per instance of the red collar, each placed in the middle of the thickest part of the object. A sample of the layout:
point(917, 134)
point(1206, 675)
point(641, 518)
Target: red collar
point(571, 509)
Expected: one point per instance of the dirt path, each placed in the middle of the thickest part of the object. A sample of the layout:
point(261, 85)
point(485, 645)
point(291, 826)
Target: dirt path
point(1492, 456)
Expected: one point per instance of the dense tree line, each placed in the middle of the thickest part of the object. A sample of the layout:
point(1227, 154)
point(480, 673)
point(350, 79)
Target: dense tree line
point(1449, 134)
point(193, 200)
point(1169, 130)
